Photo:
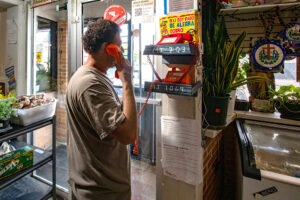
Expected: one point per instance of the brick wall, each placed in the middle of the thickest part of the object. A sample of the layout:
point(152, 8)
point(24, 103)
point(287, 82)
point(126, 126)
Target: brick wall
point(213, 168)
point(62, 79)
point(220, 166)
point(230, 163)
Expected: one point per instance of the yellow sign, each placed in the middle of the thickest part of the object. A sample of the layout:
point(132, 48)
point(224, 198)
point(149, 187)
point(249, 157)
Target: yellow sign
point(183, 23)
point(38, 57)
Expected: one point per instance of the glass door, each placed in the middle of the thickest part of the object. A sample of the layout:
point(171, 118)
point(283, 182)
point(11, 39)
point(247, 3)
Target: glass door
point(49, 75)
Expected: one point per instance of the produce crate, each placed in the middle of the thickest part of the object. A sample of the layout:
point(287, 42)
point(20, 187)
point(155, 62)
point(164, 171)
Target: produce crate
point(15, 161)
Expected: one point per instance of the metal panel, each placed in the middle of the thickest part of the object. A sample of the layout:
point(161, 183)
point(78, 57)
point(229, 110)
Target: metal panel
point(179, 5)
point(74, 36)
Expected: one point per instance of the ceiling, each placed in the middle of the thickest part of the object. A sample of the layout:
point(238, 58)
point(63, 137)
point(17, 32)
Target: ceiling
point(8, 3)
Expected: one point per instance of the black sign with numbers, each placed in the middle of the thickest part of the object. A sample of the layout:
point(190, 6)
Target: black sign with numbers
point(172, 88)
point(170, 49)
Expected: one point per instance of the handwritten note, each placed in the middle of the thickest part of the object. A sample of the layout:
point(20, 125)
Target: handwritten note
point(182, 153)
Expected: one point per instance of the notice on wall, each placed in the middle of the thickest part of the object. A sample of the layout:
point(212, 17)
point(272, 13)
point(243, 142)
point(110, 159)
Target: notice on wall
point(142, 11)
point(182, 153)
point(12, 31)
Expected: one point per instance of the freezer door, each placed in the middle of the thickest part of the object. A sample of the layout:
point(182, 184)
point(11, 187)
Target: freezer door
point(274, 147)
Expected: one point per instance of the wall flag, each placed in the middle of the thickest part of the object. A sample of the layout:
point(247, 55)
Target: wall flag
point(268, 55)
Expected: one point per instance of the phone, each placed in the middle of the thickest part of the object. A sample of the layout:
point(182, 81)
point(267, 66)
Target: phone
point(113, 50)
point(176, 39)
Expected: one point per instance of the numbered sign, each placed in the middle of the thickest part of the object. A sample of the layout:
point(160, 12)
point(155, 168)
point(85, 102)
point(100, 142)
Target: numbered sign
point(268, 55)
point(171, 49)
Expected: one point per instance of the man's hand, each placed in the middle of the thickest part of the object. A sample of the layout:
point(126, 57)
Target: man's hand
point(125, 70)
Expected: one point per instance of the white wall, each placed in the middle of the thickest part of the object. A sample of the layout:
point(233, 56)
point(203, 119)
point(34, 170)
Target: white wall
point(2, 43)
point(16, 53)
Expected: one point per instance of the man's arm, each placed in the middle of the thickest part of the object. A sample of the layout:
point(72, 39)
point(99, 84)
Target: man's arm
point(127, 131)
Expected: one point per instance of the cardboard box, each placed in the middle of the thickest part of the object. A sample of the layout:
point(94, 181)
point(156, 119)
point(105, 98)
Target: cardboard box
point(15, 161)
point(183, 23)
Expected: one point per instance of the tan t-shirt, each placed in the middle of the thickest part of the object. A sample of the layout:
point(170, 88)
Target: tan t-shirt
point(99, 166)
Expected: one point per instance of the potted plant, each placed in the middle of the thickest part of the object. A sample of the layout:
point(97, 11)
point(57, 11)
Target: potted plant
point(261, 95)
point(287, 101)
point(221, 63)
point(6, 109)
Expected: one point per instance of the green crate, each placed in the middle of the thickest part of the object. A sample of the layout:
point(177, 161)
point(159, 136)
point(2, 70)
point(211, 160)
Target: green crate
point(15, 161)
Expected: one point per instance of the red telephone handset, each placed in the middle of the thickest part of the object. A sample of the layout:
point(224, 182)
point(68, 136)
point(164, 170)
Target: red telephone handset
point(113, 50)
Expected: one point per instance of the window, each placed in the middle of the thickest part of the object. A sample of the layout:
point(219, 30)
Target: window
point(289, 75)
point(46, 56)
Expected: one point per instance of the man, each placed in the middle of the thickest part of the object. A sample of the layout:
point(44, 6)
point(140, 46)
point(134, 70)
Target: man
point(99, 127)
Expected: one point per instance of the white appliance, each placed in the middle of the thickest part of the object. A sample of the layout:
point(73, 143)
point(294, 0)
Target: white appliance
point(269, 159)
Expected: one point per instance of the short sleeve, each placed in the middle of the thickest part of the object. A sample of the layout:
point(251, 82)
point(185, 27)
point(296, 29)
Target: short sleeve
point(102, 110)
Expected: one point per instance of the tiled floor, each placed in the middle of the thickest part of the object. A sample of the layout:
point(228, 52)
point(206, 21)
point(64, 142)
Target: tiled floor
point(143, 180)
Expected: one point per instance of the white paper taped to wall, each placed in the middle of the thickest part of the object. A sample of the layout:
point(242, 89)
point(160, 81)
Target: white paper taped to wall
point(182, 153)
point(12, 30)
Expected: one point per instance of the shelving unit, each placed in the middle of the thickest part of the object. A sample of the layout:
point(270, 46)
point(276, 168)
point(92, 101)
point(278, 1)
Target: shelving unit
point(257, 9)
point(40, 157)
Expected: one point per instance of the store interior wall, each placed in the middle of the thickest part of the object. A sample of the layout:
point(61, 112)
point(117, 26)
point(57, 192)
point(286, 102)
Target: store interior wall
point(2, 44)
point(15, 53)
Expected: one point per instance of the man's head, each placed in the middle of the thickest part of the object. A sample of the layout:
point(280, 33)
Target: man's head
point(99, 35)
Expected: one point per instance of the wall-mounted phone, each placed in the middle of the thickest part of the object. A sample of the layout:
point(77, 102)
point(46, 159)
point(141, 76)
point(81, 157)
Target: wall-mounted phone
point(114, 50)
point(176, 39)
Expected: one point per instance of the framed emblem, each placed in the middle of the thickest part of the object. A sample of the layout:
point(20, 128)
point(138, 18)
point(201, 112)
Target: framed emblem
point(292, 33)
point(268, 55)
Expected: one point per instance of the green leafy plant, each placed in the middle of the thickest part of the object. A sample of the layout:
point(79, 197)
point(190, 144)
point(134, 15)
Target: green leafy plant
point(221, 63)
point(264, 89)
point(287, 95)
point(6, 107)
point(243, 67)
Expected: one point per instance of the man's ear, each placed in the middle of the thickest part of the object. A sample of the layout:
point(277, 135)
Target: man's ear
point(103, 46)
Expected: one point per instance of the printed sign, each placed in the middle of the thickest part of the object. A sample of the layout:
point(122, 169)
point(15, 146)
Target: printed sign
point(37, 3)
point(142, 11)
point(10, 74)
point(266, 192)
point(184, 23)
point(115, 13)
point(38, 57)
point(268, 55)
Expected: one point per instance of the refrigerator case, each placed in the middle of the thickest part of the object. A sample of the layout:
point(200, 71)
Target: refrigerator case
point(269, 160)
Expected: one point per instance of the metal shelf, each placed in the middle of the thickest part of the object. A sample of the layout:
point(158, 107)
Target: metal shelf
point(257, 9)
point(39, 158)
point(21, 130)
point(39, 190)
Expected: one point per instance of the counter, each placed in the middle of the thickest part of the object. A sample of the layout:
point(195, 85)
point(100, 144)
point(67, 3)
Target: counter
point(253, 115)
